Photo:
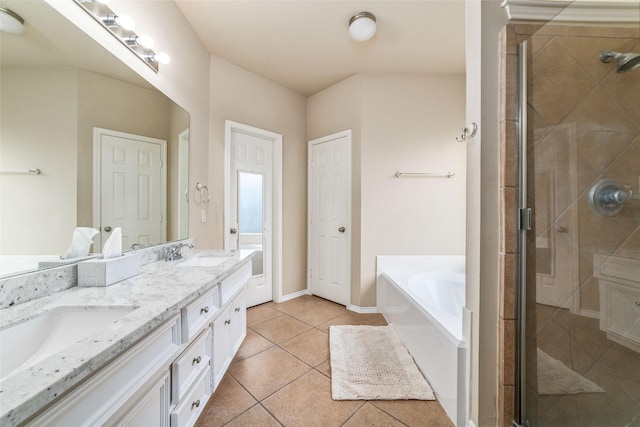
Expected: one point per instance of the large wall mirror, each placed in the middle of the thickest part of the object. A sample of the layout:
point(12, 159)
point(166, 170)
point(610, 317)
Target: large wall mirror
point(71, 110)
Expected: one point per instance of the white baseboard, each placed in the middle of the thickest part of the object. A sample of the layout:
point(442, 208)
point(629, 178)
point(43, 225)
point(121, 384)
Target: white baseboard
point(293, 295)
point(362, 310)
point(590, 313)
point(470, 423)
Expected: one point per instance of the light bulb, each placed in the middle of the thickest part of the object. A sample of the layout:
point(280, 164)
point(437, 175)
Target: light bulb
point(145, 41)
point(162, 58)
point(125, 21)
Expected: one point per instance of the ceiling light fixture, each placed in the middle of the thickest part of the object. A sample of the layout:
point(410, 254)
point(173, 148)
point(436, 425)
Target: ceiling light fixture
point(362, 26)
point(10, 21)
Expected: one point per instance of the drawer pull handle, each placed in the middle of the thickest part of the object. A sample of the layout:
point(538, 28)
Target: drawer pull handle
point(204, 310)
point(227, 322)
point(237, 309)
point(195, 404)
point(196, 360)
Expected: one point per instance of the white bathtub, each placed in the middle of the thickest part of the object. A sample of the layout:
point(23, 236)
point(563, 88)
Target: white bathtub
point(423, 296)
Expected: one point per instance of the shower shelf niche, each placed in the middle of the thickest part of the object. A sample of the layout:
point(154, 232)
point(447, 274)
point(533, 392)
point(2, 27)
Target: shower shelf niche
point(619, 283)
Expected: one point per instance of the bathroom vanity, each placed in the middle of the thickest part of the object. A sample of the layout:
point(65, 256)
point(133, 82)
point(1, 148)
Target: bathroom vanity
point(148, 351)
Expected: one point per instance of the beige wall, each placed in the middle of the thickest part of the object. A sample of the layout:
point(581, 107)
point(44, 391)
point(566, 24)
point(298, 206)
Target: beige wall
point(409, 124)
point(244, 97)
point(185, 80)
point(38, 130)
point(332, 110)
point(112, 104)
point(404, 123)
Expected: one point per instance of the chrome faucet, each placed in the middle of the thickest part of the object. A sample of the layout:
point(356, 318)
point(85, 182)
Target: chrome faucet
point(175, 251)
point(136, 246)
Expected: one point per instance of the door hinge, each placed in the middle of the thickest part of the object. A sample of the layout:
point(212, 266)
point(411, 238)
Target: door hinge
point(161, 218)
point(310, 273)
point(525, 219)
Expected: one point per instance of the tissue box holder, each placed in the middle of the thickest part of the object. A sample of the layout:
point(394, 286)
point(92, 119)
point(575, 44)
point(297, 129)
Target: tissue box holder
point(106, 272)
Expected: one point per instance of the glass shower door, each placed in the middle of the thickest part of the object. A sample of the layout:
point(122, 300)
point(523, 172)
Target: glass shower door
point(582, 349)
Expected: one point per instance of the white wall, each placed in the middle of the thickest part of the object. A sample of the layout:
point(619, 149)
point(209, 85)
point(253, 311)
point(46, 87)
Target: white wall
point(245, 97)
point(404, 123)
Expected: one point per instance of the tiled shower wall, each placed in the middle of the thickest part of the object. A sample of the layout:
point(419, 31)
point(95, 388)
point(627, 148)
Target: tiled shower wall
point(574, 99)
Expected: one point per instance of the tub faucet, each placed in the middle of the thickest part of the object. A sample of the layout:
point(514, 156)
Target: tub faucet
point(175, 251)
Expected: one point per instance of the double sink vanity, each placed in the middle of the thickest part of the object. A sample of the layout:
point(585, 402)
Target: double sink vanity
point(148, 350)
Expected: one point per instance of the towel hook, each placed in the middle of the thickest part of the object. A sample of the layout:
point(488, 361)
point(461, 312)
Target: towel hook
point(204, 193)
point(468, 133)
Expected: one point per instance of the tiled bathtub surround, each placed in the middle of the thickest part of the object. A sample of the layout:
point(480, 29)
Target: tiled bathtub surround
point(584, 125)
point(22, 288)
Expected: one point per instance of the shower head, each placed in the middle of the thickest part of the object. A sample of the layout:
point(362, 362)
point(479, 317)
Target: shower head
point(625, 61)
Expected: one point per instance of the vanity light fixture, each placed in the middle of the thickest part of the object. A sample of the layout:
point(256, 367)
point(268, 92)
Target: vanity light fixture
point(162, 58)
point(121, 27)
point(144, 41)
point(11, 22)
point(123, 21)
point(362, 26)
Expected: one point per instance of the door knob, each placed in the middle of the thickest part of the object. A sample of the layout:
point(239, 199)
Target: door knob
point(342, 229)
point(233, 231)
point(108, 229)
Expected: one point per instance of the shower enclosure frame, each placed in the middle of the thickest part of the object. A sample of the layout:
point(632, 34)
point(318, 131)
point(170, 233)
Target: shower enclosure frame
point(524, 225)
point(525, 406)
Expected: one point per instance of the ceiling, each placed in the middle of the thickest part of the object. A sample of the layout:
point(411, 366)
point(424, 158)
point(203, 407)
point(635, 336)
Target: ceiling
point(305, 46)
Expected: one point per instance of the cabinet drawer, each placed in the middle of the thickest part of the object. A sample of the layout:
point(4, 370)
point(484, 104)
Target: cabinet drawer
point(190, 364)
point(230, 285)
point(199, 313)
point(619, 313)
point(188, 410)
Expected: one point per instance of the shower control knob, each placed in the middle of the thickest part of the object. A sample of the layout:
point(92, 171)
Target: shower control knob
point(108, 229)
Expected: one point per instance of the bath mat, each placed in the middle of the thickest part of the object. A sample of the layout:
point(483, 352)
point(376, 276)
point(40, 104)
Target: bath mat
point(554, 377)
point(371, 363)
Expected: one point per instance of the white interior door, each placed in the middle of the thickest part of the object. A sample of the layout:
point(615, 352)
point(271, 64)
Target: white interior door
point(329, 217)
point(130, 179)
point(250, 221)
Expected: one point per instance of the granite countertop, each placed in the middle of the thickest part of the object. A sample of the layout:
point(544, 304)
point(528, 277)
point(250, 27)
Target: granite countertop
point(157, 293)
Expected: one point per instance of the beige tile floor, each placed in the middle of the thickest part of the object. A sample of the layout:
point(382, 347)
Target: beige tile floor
point(281, 375)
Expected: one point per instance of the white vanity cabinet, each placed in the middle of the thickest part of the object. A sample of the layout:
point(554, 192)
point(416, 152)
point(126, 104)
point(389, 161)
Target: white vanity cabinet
point(131, 390)
point(619, 285)
point(166, 378)
point(230, 326)
point(196, 373)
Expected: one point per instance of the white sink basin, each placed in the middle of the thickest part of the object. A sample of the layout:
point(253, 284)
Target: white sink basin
point(27, 343)
point(205, 261)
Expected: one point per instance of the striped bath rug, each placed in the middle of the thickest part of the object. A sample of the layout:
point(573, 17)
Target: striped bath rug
point(371, 363)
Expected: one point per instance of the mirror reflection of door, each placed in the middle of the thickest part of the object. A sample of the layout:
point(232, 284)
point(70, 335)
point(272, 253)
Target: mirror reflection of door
point(251, 208)
point(130, 179)
point(183, 185)
point(556, 218)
